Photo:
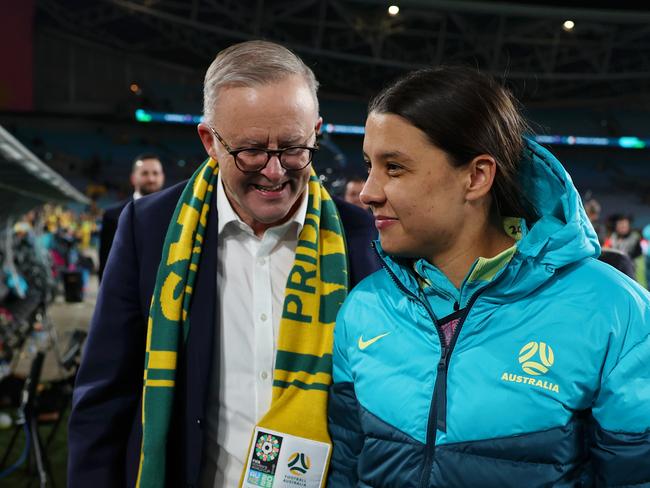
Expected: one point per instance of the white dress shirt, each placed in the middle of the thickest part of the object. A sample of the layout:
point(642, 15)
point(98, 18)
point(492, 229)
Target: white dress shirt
point(251, 279)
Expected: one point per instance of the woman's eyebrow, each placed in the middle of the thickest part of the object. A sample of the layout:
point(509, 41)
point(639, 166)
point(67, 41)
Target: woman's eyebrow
point(394, 155)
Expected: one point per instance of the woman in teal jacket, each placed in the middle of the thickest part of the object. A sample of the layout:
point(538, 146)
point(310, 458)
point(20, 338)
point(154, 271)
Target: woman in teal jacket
point(490, 351)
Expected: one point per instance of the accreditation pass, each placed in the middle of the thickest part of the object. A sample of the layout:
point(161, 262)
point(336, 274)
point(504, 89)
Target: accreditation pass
point(280, 460)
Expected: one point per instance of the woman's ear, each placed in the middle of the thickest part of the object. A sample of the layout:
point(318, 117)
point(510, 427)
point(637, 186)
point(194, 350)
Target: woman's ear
point(482, 170)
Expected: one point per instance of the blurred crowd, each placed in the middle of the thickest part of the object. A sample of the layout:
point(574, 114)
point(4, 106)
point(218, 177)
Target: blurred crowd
point(47, 243)
point(624, 246)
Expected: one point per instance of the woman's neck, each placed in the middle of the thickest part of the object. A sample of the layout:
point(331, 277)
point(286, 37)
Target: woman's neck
point(481, 241)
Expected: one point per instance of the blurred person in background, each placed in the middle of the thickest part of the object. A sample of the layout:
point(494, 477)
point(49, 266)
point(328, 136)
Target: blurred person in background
point(593, 209)
point(613, 257)
point(645, 245)
point(624, 238)
point(352, 190)
point(147, 176)
point(228, 286)
point(618, 260)
point(492, 349)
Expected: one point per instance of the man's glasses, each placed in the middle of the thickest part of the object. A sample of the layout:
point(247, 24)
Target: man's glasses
point(253, 159)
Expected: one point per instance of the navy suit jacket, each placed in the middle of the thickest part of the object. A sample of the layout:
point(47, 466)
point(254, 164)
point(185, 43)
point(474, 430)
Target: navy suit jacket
point(107, 234)
point(105, 424)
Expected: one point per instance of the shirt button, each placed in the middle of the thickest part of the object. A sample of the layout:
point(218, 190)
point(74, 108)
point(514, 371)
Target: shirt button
point(263, 317)
point(264, 375)
point(261, 261)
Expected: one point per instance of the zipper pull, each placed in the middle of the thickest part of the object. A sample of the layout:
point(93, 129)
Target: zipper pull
point(456, 306)
point(442, 364)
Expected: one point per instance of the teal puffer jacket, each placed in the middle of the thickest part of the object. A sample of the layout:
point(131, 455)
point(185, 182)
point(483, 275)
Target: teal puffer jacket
point(545, 380)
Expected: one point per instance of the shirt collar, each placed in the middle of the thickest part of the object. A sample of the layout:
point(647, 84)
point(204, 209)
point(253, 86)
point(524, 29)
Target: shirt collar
point(227, 214)
point(136, 195)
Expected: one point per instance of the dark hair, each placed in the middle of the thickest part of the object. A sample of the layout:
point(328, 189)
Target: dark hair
point(622, 216)
point(143, 156)
point(465, 113)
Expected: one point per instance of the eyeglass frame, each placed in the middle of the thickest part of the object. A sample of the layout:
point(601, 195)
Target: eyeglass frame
point(269, 153)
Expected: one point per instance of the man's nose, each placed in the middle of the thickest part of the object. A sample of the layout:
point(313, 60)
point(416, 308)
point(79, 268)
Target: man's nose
point(273, 169)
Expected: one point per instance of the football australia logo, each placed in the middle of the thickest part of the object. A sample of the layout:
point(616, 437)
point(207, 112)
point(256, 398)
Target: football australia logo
point(528, 361)
point(299, 463)
point(535, 359)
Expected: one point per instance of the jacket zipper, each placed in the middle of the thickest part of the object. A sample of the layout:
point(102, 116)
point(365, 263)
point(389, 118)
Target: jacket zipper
point(432, 421)
point(438, 407)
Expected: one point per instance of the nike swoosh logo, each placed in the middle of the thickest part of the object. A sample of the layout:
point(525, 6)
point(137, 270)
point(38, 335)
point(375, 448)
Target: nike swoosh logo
point(364, 344)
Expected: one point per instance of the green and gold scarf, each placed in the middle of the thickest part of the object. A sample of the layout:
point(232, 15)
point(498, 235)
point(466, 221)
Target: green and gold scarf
point(316, 287)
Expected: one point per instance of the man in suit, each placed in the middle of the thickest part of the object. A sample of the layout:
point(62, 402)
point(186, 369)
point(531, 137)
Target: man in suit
point(147, 176)
point(352, 191)
point(261, 110)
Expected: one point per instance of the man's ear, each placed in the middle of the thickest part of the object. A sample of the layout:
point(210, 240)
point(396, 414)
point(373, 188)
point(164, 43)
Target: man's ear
point(207, 139)
point(482, 170)
point(319, 125)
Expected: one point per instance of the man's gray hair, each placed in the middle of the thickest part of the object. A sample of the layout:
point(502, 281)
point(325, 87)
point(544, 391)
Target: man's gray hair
point(249, 64)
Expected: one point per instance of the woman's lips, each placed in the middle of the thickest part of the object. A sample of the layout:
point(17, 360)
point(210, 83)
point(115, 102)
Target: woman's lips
point(382, 222)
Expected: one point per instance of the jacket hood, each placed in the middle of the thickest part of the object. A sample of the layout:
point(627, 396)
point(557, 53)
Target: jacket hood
point(561, 236)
